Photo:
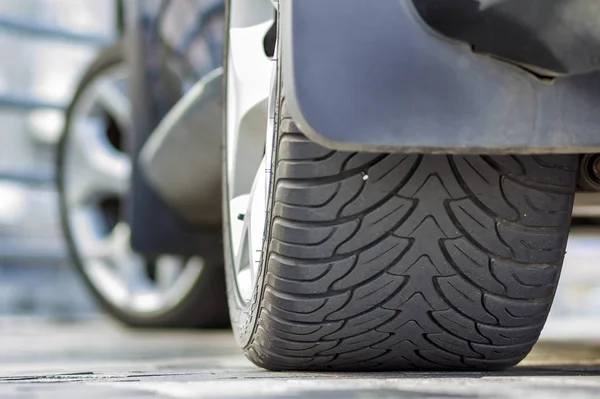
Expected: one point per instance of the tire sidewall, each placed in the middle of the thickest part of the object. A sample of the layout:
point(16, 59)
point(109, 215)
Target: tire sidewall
point(244, 315)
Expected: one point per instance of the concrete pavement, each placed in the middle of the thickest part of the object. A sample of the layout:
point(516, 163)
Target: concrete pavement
point(98, 359)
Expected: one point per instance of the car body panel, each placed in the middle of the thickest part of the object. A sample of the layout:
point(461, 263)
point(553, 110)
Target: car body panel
point(361, 77)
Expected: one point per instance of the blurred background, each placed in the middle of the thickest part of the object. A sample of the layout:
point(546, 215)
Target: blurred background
point(47, 45)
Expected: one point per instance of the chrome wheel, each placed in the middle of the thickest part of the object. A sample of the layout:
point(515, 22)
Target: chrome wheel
point(249, 136)
point(95, 173)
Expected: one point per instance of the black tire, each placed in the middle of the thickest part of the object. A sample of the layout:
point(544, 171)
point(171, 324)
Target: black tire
point(205, 305)
point(406, 262)
point(401, 262)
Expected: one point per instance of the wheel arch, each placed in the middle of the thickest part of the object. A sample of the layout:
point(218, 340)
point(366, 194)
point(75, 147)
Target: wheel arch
point(426, 94)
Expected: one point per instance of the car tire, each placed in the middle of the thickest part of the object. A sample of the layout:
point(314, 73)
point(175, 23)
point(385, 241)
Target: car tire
point(204, 305)
point(406, 262)
point(375, 261)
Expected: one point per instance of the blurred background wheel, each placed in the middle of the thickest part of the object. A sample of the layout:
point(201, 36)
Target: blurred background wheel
point(94, 173)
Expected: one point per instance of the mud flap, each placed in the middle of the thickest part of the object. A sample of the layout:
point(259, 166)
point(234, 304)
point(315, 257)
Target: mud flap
point(182, 158)
point(361, 77)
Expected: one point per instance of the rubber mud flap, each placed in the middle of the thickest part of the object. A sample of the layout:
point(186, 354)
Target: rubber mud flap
point(182, 158)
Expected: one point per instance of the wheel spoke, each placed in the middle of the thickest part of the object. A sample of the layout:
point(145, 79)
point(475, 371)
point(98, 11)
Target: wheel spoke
point(115, 102)
point(118, 241)
point(113, 247)
point(130, 265)
point(116, 250)
point(88, 224)
point(248, 76)
point(96, 167)
point(249, 85)
point(168, 269)
point(248, 56)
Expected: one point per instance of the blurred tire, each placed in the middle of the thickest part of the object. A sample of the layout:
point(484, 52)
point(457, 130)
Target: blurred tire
point(138, 294)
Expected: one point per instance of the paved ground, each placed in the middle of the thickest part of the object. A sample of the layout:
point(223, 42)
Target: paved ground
point(96, 359)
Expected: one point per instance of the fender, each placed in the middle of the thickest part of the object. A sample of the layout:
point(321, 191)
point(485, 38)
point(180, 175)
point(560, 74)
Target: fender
point(360, 75)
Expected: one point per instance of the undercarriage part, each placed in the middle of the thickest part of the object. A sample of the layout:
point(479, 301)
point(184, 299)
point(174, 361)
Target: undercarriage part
point(550, 37)
point(589, 175)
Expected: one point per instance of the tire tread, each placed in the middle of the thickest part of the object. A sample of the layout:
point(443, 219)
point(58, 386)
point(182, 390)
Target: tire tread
point(409, 262)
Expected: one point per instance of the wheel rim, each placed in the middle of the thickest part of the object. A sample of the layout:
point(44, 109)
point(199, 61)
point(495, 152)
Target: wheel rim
point(96, 177)
point(250, 129)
